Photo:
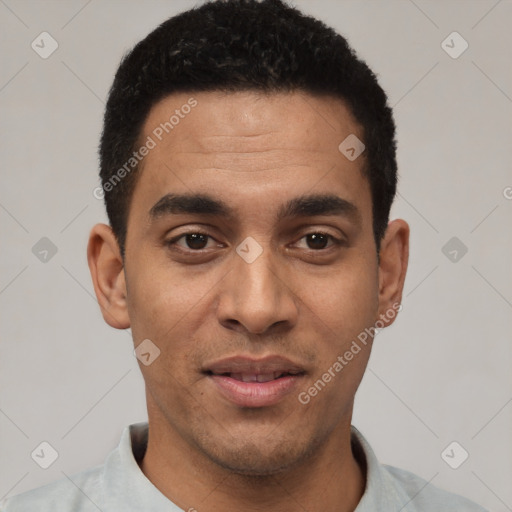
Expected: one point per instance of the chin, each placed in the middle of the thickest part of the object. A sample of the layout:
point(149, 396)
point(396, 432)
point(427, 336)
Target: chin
point(266, 457)
point(259, 465)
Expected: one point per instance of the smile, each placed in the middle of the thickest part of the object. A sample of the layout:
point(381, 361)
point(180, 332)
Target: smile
point(246, 382)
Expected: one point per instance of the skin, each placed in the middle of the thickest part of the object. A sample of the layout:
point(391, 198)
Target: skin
point(299, 300)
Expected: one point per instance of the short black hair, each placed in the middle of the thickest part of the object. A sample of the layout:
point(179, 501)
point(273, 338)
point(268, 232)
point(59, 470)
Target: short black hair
point(237, 45)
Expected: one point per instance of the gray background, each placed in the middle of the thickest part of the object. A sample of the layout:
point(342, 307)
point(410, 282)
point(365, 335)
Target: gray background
point(441, 373)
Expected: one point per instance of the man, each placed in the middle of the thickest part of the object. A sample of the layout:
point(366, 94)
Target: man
point(248, 169)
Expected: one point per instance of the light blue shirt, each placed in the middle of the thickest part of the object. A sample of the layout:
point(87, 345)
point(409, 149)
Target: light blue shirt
point(119, 485)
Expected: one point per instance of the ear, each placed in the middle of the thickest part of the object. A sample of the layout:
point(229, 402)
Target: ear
point(394, 256)
point(107, 272)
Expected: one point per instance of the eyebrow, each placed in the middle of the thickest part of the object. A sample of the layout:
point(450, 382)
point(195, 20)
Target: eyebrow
point(198, 204)
point(302, 206)
point(319, 204)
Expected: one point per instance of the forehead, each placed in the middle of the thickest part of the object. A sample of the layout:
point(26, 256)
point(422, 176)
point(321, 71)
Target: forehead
point(248, 146)
point(230, 122)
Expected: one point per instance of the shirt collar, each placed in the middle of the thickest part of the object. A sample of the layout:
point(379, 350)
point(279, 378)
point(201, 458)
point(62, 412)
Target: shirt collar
point(380, 493)
point(126, 486)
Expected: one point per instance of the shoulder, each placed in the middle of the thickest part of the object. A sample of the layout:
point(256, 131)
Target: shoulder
point(80, 492)
point(420, 495)
point(391, 488)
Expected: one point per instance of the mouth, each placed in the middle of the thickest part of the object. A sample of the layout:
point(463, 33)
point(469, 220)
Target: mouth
point(255, 377)
point(247, 382)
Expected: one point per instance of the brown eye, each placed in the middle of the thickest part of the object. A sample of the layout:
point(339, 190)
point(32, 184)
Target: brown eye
point(320, 242)
point(196, 240)
point(317, 240)
point(193, 241)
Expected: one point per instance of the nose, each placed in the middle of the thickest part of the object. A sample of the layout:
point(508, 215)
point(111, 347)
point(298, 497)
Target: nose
point(256, 297)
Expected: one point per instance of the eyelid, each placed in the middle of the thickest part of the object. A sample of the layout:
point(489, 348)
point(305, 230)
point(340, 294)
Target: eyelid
point(191, 232)
point(189, 229)
point(335, 241)
point(334, 232)
point(176, 238)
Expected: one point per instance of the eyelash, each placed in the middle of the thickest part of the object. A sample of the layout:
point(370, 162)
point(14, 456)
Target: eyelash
point(172, 242)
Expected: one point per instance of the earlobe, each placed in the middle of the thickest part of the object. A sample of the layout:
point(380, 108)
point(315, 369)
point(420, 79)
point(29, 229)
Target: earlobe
point(107, 272)
point(394, 257)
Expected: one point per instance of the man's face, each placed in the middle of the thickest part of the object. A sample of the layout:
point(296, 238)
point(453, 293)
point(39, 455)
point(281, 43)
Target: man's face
point(268, 286)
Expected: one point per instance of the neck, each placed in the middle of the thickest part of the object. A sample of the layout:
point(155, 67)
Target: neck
point(331, 479)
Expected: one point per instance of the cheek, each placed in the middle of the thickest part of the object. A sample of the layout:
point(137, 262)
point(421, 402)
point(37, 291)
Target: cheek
point(341, 306)
point(340, 313)
point(346, 299)
point(163, 300)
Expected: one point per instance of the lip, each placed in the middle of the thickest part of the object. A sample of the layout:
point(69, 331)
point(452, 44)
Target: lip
point(254, 394)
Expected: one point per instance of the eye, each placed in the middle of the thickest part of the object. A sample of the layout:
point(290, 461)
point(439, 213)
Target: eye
point(194, 241)
point(318, 241)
